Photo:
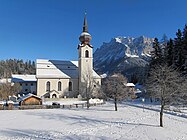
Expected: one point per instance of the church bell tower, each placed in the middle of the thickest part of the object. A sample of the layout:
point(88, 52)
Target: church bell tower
point(85, 53)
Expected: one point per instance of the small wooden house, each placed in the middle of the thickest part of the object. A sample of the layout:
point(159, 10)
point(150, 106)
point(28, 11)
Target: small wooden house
point(1, 105)
point(131, 90)
point(10, 105)
point(131, 87)
point(30, 99)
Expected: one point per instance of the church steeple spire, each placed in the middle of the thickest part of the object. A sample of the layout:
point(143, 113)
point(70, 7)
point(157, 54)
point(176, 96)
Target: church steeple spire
point(85, 51)
point(85, 37)
point(85, 25)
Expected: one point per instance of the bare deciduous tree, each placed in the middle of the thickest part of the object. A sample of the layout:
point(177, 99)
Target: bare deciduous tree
point(114, 87)
point(9, 89)
point(90, 88)
point(166, 84)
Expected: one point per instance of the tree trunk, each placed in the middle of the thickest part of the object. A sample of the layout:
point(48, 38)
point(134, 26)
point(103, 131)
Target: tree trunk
point(161, 115)
point(115, 102)
point(87, 99)
point(88, 104)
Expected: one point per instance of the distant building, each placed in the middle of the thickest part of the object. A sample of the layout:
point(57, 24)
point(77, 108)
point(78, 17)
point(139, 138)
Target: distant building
point(2, 105)
point(131, 90)
point(27, 83)
point(131, 87)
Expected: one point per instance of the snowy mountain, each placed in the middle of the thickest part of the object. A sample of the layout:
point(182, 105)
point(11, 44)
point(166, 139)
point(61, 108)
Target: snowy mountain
point(123, 54)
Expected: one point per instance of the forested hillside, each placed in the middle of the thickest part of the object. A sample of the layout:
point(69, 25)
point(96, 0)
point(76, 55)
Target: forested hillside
point(16, 66)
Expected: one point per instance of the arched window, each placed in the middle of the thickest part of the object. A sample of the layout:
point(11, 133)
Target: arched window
point(48, 86)
point(87, 53)
point(59, 86)
point(70, 86)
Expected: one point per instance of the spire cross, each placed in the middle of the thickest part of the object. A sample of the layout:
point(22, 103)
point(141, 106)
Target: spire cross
point(85, 26)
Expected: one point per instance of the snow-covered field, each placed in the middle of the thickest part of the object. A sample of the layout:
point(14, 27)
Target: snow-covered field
point(99, 122)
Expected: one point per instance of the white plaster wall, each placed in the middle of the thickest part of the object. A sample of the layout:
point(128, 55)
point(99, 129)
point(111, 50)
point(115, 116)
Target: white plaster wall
point(41, 86)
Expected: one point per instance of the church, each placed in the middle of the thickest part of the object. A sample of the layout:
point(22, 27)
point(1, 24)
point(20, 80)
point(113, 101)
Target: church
point(68, 79)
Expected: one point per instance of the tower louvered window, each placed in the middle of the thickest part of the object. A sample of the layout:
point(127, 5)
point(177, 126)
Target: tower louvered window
point(86, 53)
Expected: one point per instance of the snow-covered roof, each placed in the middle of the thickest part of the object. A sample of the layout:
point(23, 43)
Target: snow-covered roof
point(95, 75)
point(58, 69)
point(2, 102)
point(10, 102)
point(130, 85)
point(138, 91)
point(5, 80)
point(103, 75)
point(28, 96)
point(23, 78)
point(85, 33)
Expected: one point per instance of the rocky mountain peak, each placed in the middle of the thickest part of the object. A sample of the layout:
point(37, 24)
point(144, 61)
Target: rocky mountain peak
point(123, 53)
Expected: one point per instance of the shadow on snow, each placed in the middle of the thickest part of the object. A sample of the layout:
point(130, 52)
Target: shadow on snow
point(46, 135)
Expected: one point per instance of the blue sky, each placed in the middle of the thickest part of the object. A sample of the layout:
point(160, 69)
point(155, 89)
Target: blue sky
point(31, 29)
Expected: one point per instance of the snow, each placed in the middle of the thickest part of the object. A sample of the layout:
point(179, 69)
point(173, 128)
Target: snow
point(118, 40)
point(74, 102)
point(96, 101)
point(104, 75)
point(129, 55)
point(58, 69)
point(118, 48)
point(130, 85)
point(5, 80)
point(23, 78)
point(85, 33)
point(99, 122)
point(2, 102)
point(126, 61)
point(55, 69)
point(64, 102)
point(138, 91)
point(146, 54)
point(27, 96)
point(10, 102)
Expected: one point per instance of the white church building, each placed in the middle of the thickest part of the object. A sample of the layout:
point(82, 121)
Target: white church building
point(58, 78)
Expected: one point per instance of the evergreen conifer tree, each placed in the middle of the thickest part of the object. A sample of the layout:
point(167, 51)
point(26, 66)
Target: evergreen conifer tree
point(157, 53)
point(179, 55)
point(184, 48)
point(169, 52)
